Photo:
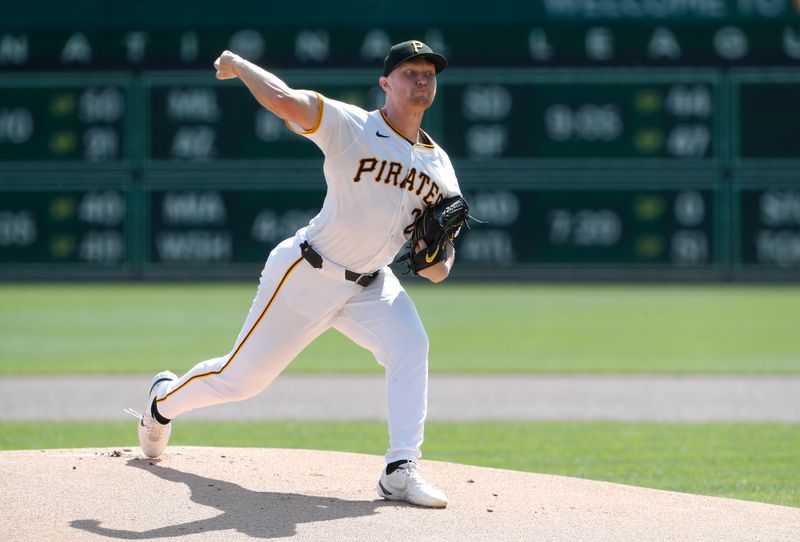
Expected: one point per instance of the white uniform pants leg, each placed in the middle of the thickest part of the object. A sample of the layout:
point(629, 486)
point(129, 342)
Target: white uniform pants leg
point(383, 319)
point(294, 304)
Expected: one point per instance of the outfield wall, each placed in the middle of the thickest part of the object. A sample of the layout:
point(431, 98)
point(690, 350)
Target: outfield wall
point(615, 139)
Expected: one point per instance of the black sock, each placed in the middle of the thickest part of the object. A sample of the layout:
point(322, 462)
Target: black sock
point(154, 412)
point(391, 467)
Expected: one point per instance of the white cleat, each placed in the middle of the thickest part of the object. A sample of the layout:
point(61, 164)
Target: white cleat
point(407, 484)
point(153, 436)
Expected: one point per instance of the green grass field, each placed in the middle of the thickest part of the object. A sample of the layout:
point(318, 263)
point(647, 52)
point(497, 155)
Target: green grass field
point(759, 462)
point(113, 328)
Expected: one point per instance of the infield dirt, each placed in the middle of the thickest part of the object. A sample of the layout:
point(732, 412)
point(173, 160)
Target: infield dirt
point(247, 493)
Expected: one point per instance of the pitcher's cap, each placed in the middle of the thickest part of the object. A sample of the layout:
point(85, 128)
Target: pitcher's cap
point(409, 50)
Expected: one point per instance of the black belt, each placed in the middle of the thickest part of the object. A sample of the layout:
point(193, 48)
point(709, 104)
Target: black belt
point(313, 257)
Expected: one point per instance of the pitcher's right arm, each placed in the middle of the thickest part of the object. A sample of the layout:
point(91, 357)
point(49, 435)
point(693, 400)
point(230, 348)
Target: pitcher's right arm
point(300, 107)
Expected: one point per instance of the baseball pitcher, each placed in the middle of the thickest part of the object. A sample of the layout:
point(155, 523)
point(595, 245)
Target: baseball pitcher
point(388, 183)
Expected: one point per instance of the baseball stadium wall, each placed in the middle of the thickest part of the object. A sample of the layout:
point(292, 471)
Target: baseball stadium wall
point(614, 139)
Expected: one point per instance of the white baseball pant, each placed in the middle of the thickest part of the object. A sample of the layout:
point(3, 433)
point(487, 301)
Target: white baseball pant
point(295, 303)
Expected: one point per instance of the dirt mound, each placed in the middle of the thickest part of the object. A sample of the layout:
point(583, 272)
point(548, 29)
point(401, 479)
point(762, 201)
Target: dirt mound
point(241, 493)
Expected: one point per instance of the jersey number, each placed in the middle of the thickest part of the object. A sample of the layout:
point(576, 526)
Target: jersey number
point(410, 228)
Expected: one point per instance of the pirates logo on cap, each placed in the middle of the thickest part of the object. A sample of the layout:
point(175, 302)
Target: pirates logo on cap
point(408, 50)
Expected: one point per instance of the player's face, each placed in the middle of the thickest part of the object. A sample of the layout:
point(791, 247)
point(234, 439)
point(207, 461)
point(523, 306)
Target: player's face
point(413, 83)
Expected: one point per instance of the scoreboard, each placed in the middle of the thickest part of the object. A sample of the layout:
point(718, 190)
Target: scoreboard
point(617, 226)
point(206, 120)
point(536, 117)
point(79, 228)
point(230, 225)
point(766, 116)
point(223, 227)
point(64, 119)
point(767, 235)
point(595, 139)
point(568, 115)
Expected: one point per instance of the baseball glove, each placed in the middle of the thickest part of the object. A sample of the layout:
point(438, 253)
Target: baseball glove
point(437, 225)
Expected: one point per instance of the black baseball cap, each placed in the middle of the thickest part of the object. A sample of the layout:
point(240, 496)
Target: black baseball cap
point(409, 50)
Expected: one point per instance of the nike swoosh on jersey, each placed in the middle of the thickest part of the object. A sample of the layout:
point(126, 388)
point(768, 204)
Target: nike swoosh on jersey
point(429, 259)
point(379, 134)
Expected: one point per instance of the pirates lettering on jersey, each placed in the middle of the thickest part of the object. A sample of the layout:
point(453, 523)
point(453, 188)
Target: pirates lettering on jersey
point(413, 181)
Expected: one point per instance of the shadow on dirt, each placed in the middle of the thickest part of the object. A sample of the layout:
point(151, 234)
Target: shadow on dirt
point(258, 514)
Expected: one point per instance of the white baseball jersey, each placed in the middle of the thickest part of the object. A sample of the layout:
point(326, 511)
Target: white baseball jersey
point(378, 184)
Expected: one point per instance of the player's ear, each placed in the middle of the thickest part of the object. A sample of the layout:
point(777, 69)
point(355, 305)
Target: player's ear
point(383, 82)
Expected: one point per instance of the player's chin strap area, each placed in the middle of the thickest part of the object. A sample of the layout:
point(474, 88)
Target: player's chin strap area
point(316, 260)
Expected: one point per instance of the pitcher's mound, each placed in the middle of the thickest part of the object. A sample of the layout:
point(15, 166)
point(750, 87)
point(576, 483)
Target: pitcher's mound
point(241, 493)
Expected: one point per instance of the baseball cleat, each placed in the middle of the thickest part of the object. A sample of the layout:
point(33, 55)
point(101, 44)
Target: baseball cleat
point(407, 484)
point(153, 436)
